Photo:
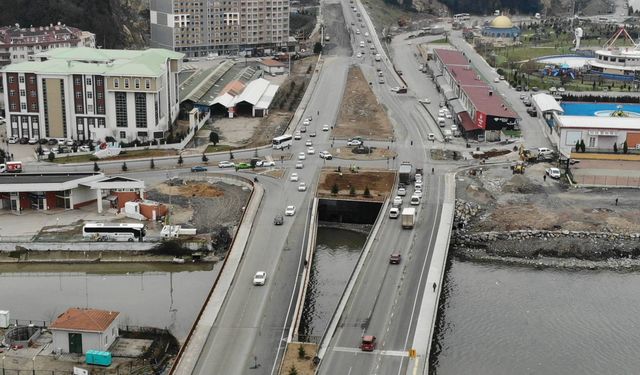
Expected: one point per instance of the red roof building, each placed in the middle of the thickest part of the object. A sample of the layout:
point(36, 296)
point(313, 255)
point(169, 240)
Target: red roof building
point(80, 329)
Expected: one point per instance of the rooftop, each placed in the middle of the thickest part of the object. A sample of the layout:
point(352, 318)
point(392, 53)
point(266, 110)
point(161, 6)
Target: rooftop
point(602, 123)
point(465, 76)
point(81, 319)
point(546, 102)
point(451, 57)
point(85, 60)
point(491, 105)
point(39, 178)
point(17, 35)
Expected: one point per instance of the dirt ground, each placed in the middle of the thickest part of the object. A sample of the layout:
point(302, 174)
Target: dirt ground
point(377, 154)
point(379, 183)
point(514, 202)
point(304, 366)
point(360, 113)
point(203, 205)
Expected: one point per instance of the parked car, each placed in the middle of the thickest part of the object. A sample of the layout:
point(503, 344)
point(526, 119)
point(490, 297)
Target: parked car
point(33, 141)
point(425, 101)
point(431, 137)
point(553, 172)
point(13, 140)
point(260, 278)
point(290, 211)
point(198, 168)
point(226, 164)
point(23, 140)
point(326, 155)
point(43, 141)
point(84, 148)
point(53, 142)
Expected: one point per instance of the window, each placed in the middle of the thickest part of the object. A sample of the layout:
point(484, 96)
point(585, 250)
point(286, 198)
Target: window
point(147, 84)
point(23, 93)
point(78, 95)
point(23, 106)
point(32, 80)
point(77, 81)
point(101, 109)
point(121, 109)
point(123, 135)
point(143, 134)
point(137, 83)
point(99, 95)
point(79, 108)
point(98, 81)
point(116, 83)
point(21, 79)
point(89, 95)
point(32, 93)
point(12, 92)
point(88, 81)
point(34, 107)
point(91, 122)
point(141, 110)
point(126, 83)
point(102, 123)
point(89, 108)
point(11, 79)
point(12, 106)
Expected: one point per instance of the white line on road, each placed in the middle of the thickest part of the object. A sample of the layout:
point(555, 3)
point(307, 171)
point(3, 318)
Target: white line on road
point(391, 353)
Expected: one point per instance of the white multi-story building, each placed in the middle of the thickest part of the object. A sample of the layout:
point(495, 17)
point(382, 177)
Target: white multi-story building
point(19, 44)
point(87, 93)
point(200, 28)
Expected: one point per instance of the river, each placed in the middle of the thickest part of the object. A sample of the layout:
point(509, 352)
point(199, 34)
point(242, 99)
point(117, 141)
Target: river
point(505, 320)
point(336, 254)
point(157, 298)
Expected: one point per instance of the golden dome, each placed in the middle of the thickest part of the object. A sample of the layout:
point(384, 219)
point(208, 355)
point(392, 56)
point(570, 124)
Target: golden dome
point(501, 22)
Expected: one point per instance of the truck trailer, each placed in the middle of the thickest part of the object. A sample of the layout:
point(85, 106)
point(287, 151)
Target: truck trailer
point(408, 217)
point(404, 172)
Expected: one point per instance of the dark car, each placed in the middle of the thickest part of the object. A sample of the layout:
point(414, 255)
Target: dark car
point(394, 258)
point(278, 220)
point(312, 134)
point(43, 141)
point(52, 142)
point(23, 140)
point(532, 112)
point(368, 343)
point(518, 88)
point(198, 168)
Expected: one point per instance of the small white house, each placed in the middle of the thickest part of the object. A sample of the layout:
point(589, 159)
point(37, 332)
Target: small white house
point(78, 330)
point(272, 66)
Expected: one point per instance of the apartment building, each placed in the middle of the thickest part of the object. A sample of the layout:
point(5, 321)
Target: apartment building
point(86, 93)
point(203, 27)
point(19, 44)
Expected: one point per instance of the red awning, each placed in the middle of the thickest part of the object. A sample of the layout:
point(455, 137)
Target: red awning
point(467, 123)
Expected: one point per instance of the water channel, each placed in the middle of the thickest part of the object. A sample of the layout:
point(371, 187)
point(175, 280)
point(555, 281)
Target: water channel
point(509, 320)
point(336, 254)
point(163, 296)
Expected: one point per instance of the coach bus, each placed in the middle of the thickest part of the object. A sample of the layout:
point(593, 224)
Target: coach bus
point(461, 17)
point(282, 141)
point(114, 232)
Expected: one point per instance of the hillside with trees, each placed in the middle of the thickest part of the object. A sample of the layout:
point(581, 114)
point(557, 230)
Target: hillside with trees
point(488, 6)
point(116, 23)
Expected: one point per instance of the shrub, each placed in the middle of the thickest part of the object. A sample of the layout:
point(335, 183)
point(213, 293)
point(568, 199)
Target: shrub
point(352, 191)
point(367, 193)
point(301, 352)
point(124, 166)
point(214, 138)
point(615, 148)
point(335, 189)
point(180, 161)
point(204, 158)
point(625, 147)
point(95, 167)
point(51, 156)
point(152, 164)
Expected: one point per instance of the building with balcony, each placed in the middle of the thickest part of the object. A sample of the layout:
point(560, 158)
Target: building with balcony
point(201, 28)
point(86, 93)
point(19, 44)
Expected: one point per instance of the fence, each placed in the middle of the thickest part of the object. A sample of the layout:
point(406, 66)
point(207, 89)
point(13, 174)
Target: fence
point(617, 181)
point(126, 369)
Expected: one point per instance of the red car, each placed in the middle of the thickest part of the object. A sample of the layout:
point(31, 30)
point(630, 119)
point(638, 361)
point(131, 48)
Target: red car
point(368, 343)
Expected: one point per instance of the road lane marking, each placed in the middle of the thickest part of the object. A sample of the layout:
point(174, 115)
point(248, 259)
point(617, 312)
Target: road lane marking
point(390, 353)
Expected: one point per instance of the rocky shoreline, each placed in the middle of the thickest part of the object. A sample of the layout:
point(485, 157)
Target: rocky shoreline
point(542, 248)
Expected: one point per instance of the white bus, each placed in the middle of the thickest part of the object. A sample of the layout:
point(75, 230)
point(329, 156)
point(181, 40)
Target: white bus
point(114, 232)
point(282, 141)
point(461, 17)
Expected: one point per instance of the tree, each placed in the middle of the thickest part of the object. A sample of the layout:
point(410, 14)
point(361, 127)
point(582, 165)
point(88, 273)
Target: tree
point(335, 189)
point(152, 164)
point(95, 167)
point(301, 352)
point(124, 166)
point(317, 48)
point(204, 158)
point(293, 370)
point(582, 146)
point(214, 138)
point(230, 155)
point(578, 146)
point(625, 147)
point(51, 156)
point(352, 190)
point(615, 148)
point(367, 193)
point(180, 161)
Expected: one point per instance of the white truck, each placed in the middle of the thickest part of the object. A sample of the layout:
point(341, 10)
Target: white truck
point(408, 217)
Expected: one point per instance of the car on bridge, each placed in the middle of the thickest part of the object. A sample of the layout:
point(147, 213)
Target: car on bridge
point(260, 278)
point(297, 136)
point(312, 134)
point(198, 168)
point(368, 343)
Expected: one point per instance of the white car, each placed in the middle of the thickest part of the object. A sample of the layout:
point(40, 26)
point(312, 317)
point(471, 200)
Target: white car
point(359, 55)
point(418, 177)
point(357, 32)
point(418, 185)
point(297, 136)
point(354, 142)
point(448, 115)
point(553, 172)
point(496, 80)
point(299, 165)
point(431, 137)
point(394, 212)
point(326, 155)
point(366, 34)
point(69, 142)
point(265, 163)
point(260, 278)
point(226, 164)
point(402, 192)
point(293, 177)
point(325, 128)
point(311, 151)
point(84, 149)
point(397, 201)
point(425, 101)
point(307, 121)
point(13, 140)
point(301, 156)
point(454, 128)
point(302, 186)
point(415, 200)
point(418, 192)
point(290, 211)
point(561, 89)
point(33, 141)
point(502, 78)
point(308, 143)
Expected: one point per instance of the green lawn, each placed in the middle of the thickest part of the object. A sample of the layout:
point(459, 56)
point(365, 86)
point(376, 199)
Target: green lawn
point(440, 41)
point(218, 148)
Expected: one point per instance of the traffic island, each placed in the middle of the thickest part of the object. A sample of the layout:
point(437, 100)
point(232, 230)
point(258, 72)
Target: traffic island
point(355, 184)
point(299, 356)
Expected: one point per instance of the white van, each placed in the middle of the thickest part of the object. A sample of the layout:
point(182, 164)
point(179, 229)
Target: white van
point(545, 151)
point(377, 57)
point(361, 44)
point(415, 200)
point(441, 122)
